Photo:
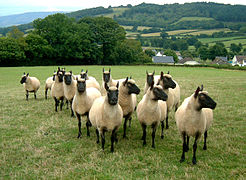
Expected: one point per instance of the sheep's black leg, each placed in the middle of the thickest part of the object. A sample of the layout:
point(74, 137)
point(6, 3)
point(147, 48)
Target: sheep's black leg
point(56, 104)
point(167, 122)
point(116, 139)
point(194, 149)
point(103, 138)
point(144, 134)
point(35, 96)
point(154, 126)
point(162, 129)
point(97, 132)
point(187, 144)
point(205, 140)
point(112, 140)
point(125, 124)
point(27, 95)
point(88, 125)
point(79, 124)
point(72, 113)
point(46, 91)
point(67, 103)
point(61, 103)
point(130, 121)
point(184, 147)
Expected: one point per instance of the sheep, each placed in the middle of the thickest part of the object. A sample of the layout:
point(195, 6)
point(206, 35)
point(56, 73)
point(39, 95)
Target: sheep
point(69, 88)
point(90, 81)
point(57, 90)
point(151, 110)
point(193, 118)
point(176, 92)
point(165, 80)
point(149, 80)
point(31, 84)
point(82, 102)
point(107, 78)
point(127, 99)
point(48, 83)
point(106, 115)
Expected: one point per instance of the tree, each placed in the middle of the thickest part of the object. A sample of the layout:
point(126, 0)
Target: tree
point(150, 52)
point(170, 52)
point(217, 50)
point(203, 52)
point(164, 35)
point(235, 49)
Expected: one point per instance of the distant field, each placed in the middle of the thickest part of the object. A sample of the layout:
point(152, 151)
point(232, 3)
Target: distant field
point(193, 19)
point(180, 31)
point(38, 143)
point(117, 12)
point(127, 27)
point(209, 32)
point(151, 34)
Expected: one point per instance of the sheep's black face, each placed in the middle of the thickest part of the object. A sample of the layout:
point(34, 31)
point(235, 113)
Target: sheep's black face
point(113, 96)
point(83, 75)
point(23, 80)
point(106, 77)
point(159, 94)
point(150, 79)
point(60, 77)
point(81, 86)
point(168, 83)
point(205, 101)
point(132, 88)
point(68, 79)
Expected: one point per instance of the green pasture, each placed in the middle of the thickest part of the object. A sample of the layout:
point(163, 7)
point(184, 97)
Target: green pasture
point(38, 143)
point(193, 19)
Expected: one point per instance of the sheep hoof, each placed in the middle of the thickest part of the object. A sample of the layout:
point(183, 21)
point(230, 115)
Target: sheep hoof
point(194, 161)
point(186, 149)
point(153, 146)
point(204, 147)
point(79, 136)
point(162, 136)
point(167, 126)
point(116, 140)
point(182, 160)
point(98, 142)
point(144, 143)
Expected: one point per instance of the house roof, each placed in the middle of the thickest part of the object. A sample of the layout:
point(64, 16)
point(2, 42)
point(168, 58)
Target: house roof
point(240, 59)
point(219, 61)
point(182, 61)
point(222, 58)
point(163, 59)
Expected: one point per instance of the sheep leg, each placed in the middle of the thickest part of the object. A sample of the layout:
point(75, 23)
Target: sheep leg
point(88, 125)
point(184, 147)
point(67, 103)
point(167, 122)
point(205, 140)
point(116, 139)
point(61, 103)
point(79, 124)
point(35, 95)
point(144, 134)
point(162, 129)
point(187, 144)
point(97, 132)
point(72, 113)
point(56, 104)
point(103, 138)
point(194, 149)
point(154, 126)
point(27, 95)
point(46, 91)
point(125, 124)
point(130, 121)
point(112, 140)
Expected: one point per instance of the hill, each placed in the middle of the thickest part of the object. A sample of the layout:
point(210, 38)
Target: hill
point(24, 18)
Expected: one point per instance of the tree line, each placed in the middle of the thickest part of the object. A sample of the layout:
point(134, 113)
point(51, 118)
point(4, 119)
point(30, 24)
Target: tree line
point(59, 39)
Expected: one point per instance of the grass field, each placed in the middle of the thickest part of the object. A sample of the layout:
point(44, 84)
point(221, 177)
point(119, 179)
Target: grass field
point(38, 143)
point(193, 19)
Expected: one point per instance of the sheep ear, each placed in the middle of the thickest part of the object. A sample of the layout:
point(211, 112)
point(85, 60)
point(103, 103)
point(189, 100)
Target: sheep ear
point(168, 72)
point(109, 70)
point(77, 78)
point(117, 85)
point(59, 69)
point(103, 69)
point(27, 74)
point(147, 72)
point(130, 77)
point(86, 71)
point(71, 72)
point(161, 75)
point(158, 83)
point(152, 85)
point(125, 81)
point(197, 92)
point(24, 73)
point(106, 86)
point(82, 70)
point(201, 88)
point(154, 73)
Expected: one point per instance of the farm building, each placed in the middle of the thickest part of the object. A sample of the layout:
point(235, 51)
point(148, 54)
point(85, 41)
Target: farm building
point(239, 60)
point(188, 61)
point(220, 60)
point(163, 59)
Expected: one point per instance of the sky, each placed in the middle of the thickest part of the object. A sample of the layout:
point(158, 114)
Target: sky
point(9, 7)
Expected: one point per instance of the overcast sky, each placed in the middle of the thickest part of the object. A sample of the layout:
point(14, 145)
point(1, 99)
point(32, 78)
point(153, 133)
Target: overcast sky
point(8, 7)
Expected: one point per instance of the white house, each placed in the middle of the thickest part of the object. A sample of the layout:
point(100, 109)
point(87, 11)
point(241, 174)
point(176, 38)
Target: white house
point(239, 60)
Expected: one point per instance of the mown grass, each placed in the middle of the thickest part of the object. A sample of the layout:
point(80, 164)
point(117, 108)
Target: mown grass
point(193, 19)
point(38, 143)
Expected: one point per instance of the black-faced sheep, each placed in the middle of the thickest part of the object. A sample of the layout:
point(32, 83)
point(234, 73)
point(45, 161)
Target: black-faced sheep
point(193, 118)
point(152, 110)
point(149, 80)
point(106, 115)
point(90, 81)
point(31, 84)
point(82, 102)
